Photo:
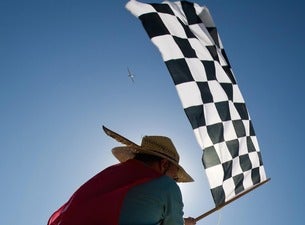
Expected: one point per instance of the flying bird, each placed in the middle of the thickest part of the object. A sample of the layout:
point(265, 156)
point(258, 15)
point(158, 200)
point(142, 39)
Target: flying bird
point(130, 75)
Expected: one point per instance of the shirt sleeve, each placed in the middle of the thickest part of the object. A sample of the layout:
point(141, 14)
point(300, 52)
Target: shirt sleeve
point(174, 208)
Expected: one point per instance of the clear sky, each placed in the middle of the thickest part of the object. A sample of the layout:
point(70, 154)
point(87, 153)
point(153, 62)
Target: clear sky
point(63, 74)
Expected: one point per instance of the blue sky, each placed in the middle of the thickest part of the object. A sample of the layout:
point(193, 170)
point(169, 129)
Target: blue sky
point(63, 74)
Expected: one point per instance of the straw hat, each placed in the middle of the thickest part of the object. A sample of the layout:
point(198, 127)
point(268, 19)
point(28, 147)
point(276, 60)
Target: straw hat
point(153, 145)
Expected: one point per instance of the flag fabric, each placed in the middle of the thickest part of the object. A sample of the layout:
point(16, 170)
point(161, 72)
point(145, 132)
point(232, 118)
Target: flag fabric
point(191, 48)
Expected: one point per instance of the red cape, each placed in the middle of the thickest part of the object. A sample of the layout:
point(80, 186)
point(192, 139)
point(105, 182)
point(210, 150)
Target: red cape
point(99, 200)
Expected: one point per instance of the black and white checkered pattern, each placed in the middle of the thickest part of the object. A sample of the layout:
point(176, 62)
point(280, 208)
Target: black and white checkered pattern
point(190, 46)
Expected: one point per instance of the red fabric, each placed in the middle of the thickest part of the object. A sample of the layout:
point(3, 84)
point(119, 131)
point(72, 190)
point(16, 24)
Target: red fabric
point(99, 200)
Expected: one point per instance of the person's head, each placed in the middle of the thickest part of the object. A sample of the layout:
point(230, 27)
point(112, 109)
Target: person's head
point(159, 164)
point(162, 153)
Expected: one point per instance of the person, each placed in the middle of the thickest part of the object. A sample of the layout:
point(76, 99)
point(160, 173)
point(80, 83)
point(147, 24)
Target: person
point(140, 190)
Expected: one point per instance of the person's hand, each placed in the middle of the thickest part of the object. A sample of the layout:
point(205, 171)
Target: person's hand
point(189, 221)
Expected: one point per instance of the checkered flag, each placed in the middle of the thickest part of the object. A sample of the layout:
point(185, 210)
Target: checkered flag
point(190, 46)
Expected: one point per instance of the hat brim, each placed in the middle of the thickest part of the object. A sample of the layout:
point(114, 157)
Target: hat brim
point(124, 153)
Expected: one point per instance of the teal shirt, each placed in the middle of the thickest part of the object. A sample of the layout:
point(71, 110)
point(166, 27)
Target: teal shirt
point(156, 202)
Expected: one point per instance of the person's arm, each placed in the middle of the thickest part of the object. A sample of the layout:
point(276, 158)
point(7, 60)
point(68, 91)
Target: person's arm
point(175, 208)
point(173, 214)
point(173, 205)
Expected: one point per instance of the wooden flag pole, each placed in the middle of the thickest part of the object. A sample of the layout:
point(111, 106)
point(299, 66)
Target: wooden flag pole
point(231, 200)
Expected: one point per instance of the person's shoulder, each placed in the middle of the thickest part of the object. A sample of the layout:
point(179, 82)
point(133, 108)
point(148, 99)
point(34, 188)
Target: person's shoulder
point(169, 188)
point(167, 182)
point(167, 179)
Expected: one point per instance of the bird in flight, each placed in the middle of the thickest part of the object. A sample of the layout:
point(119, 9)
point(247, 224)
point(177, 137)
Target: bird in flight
point(130, 75)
